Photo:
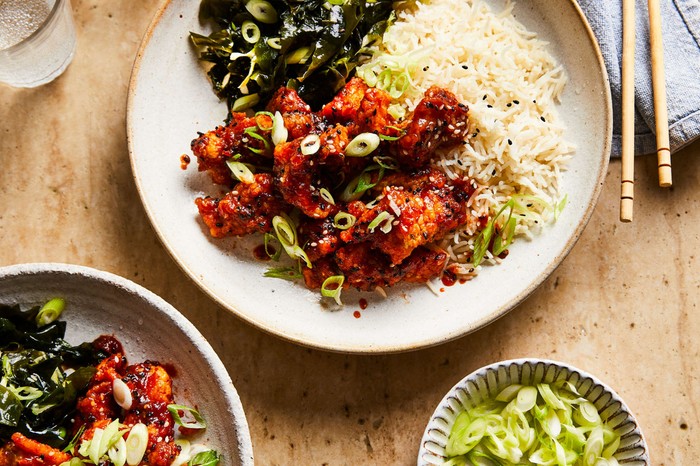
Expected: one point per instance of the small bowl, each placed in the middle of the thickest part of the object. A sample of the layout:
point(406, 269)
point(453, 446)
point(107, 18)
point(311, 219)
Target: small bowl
point(100, 303)
point(487, 382)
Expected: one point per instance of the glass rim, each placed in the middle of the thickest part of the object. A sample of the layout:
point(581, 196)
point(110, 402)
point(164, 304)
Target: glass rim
point(54, 11)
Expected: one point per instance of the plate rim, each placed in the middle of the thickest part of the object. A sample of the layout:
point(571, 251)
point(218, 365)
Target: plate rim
point(122, 284)
point(377, 349)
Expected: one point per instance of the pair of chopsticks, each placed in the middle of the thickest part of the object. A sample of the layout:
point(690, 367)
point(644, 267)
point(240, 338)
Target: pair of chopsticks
point(663, 151)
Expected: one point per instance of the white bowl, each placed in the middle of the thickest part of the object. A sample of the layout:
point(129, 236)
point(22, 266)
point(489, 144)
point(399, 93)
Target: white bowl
point(100, 303)
point(170, 100)
point(487, 382)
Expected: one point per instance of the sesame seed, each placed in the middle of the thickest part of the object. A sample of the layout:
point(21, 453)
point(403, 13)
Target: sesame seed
point(510, 143)
point(509, 104)
point(542, 118)
point(516, 102)
point(465, 67)
point(490, 106)
point(484, 97)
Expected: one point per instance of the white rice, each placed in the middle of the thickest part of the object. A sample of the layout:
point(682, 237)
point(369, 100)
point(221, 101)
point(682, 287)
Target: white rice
point(512, 86)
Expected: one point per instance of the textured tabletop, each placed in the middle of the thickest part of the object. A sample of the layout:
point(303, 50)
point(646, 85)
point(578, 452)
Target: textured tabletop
point(623, 305)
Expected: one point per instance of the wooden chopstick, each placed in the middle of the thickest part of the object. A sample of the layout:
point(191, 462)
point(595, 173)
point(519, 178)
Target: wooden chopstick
point(663, 150)
point(628, 37)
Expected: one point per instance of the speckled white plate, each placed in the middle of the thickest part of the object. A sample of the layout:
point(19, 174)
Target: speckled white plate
point(100, 303)
point(487, 382)
point(170, 100)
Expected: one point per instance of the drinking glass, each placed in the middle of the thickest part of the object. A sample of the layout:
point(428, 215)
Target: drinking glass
point(37, 41)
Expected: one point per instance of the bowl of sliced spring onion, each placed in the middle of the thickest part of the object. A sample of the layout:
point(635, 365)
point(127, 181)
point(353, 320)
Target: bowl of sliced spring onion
point(532, 411)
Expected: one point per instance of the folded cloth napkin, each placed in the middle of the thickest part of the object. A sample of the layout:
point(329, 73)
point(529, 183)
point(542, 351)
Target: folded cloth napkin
point(681, 37)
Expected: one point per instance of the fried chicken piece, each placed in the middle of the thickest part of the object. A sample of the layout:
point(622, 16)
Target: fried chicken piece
point(29, 452)
point(365, 268)
point(323, 268)
point(373, 115)
point(151, 389)
point(246, 209)
point(439, 120)
point(286, 100)
point(345, 105)
point(320, 236)
point(98, 403)
point(417, 208)
point(299, 180)
point(163, 454)
point(214, 148)
point(297, 115)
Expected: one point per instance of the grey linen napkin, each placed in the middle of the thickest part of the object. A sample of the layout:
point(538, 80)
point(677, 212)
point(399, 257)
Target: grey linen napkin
point(681, 36)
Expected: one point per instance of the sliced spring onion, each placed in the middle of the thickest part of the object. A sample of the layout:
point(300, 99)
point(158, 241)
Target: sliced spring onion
point(499, 432)
point(274, 43)
point(50, 311)
point(332, 287)
point(399, 85)
point(117, 452)
point(383, 221)
point(327, 196)
point(286, 232)
point(279, 131)
point(241, 171)
point(267, 114)
point(362, 145)
point(386, 162)
point(74, 441)
point(285, 273)
point(397, 111)
point(252, 131)
point(93, 448)
point(245, 102)
point(136, 444)
point(267, 239)
point(205, 458)
point(122, 394)
point(300, 55)
point(110, 436)
point(344, 220)
point(250, 32)
point(587, 414)
point(198, 423)
point(75, 461)
point(262, 10)
point(310, 144)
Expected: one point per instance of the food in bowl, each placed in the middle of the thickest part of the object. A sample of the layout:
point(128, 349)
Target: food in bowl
point(499, 161)
point(533, 424)
point(64, 405)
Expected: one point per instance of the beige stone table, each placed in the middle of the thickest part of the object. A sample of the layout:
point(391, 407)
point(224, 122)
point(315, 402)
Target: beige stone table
point(624, 305)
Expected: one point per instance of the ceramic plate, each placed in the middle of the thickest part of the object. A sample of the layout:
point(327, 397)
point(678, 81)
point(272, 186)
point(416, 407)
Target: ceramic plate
point(170, 100)
point(100, 303)
point(488, 381)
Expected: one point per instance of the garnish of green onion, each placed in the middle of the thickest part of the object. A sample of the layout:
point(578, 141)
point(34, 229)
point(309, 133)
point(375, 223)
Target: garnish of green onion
point(286, 232)
point(284, 273)
point(197, 424)
point(362, 145)
point(300, 55)
point(332, 287)
point(75, 461)
point(274, 43)
point(50, 311)
point(241, 171)
point(262, 10)
point(399, 85)
point(344, 220)
point(310, 144)
point(279, 131)
point(383, 221)
point(245, 102)
point(272, 253)
point(117, 452)
point(532, 425)
point(327, 196)
point(250, 32)
point(136, 444)
point(267, 114)
point(205, 458)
